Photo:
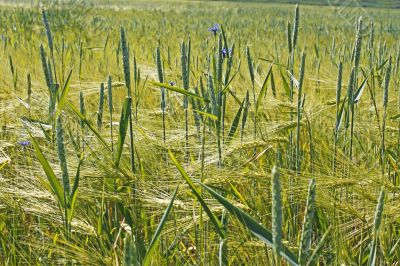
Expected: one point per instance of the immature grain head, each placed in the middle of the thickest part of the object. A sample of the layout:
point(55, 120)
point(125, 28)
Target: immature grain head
point(61, 156)
point(45, 67)
point(387, 82)
point(379, 210)
point(350, 88)
point(135, 70)
point(219, 61)
point(296, 27)
point(306, 233)
point(189, 47)
point(125, 59)
point(302, 70)
point(101, 104)
point(184, 64)
point(276, 211)
point(82, 108)
point(371, 36)
point(357, 46)
point(11, 65)
point(339, 83)
point(29, 81)
point(289, 36)
point(250, 65)
point(48, 31)
point(159, 65)
point(110, 94)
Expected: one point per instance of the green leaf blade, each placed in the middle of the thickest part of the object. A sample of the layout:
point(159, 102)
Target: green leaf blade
point(123, 127)
point(214, 221)
point(156, 236)
point(51, 177)
point(258, 230)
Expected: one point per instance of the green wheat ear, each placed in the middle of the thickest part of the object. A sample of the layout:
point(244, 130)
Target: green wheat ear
point(289, 36)
point(82, 108)
point(379, 210)
point(135, 74)
point(11, 65)
point(306, 232)
point(110, 95)
point(159, 65)
point(130, 252)
point(377, 224)
point(299, 110)
point(371, 36)
point(48, 31)
point(250, 65)
point(397, 60)
point(339, 111)
point(219, 62)
point(276, 213)
point(29, 92)
point(189, 48)
point(45, 67)
point(385, 103)
point(357, 46)
point(302, 69)
point(161, 79)
point(126, 66)
point(110, 109)
point(62, 158)
point(80, 59)
point(101, 105)
point(387, 83)
point(245, 114)
point(125, 61)
point(184, 67)
point(296, 27)
point(339, 83)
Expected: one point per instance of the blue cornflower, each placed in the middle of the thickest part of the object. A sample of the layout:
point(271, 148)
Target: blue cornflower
point(171, 83)
point(24, 143)
point(226, 53)
point(214, 29)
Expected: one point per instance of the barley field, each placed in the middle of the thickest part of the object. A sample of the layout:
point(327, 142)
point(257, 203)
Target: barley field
point(199, 132)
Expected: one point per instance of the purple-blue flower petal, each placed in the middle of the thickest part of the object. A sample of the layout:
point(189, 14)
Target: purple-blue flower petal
point(24, 143)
